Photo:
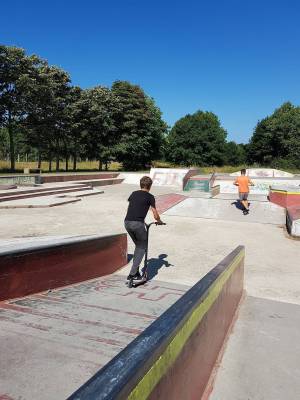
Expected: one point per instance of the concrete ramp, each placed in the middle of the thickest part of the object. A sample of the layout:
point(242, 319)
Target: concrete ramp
point(166, 201)
point(265, 172)
point(233, 196)
point(175, 177)
point(168, 176)
point(261, 184)
point(132, 178)
point(260, 212)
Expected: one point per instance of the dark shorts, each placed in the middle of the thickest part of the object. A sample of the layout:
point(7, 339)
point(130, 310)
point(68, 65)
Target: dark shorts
point(243, 196)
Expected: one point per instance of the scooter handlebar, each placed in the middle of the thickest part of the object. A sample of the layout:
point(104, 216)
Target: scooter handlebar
point(155, 223)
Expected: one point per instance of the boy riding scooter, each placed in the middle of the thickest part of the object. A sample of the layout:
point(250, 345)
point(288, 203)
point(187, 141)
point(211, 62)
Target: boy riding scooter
point(139, 203)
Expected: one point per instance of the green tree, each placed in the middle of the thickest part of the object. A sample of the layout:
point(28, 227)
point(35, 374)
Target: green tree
point(16, 70)
point(157, 131)
point(96, 112)
point(43, 116)
point(235, 154)
point(197, 139)
point(140, 127)
point(276, 138)
point(4, 143)
point(76, 114)
point(47, 120)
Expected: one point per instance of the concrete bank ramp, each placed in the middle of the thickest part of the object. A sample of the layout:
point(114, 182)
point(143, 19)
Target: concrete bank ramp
point(264, 172)
point(260, 211)
point(261, 184)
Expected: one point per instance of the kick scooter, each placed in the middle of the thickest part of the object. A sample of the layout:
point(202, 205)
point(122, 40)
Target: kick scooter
point(132, 283)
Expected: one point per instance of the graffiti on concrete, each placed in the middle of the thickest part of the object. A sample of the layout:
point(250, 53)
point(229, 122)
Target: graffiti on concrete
point(264, 173)
point(261, 186)
point(168, 176)
point(18, 179)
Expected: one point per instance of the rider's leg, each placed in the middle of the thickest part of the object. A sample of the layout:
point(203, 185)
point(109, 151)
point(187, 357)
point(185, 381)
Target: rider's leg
point(137, 230)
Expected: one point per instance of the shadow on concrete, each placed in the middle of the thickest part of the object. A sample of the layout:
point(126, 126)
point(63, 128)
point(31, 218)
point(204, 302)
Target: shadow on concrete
point(155, 264)
point(239, 205)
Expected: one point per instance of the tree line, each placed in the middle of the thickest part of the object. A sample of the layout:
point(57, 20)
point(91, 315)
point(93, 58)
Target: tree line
point(199, 139)
point(45, 117)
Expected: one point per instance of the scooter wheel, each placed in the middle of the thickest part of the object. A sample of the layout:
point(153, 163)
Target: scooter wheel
point(130, 284)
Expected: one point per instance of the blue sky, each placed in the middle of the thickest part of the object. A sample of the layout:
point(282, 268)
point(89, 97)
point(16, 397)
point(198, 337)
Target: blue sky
point(239, 59)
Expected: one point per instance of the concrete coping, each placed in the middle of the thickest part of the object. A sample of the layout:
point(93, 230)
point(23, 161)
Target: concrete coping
point(204, 177)
point(17, 175)
point(288, 189)
point(257, 178)
point(38, 244)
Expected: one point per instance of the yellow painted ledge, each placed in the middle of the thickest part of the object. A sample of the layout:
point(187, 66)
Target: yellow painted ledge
point(168, 357)
point(284, 192)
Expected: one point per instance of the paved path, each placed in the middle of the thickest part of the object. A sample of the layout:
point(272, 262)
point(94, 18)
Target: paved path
point(261, 361)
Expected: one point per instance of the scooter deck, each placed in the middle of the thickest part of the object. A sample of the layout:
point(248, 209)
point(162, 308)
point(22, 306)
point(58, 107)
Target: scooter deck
point(133, 283)
point(138, 283)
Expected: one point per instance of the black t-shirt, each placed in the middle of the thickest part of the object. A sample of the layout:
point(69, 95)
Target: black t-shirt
point(139, 203)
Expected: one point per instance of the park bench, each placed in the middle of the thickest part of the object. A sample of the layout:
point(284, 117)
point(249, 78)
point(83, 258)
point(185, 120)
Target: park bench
point(32, 171)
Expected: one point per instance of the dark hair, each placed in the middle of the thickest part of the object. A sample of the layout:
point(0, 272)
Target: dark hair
point(146, 182)
point(243, 171)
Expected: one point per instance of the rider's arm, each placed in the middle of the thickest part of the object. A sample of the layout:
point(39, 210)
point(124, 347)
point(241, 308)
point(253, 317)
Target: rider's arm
point(236, 183)
point(155, 214)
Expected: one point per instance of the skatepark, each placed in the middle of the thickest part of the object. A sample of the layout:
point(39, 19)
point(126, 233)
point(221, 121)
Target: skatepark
point(64, 261)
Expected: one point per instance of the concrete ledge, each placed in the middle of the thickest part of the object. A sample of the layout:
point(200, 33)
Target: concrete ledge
point(104, 182)
point(40, 189)
point(19, 179)
point(293, 220)
point(174, 357)
point(32, 171)
point(43, 267)
point(285, 196)
point(36, 202)
point(86, 193)
point(8, 187)
point(40, 193)
point(77, 177)
point(215, 190)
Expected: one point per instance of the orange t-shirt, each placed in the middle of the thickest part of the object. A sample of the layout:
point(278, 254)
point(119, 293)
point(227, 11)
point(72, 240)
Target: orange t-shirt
point(243, 183)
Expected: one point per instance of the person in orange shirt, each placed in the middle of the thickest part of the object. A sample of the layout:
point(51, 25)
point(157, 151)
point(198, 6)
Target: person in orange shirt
point(243, 182)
